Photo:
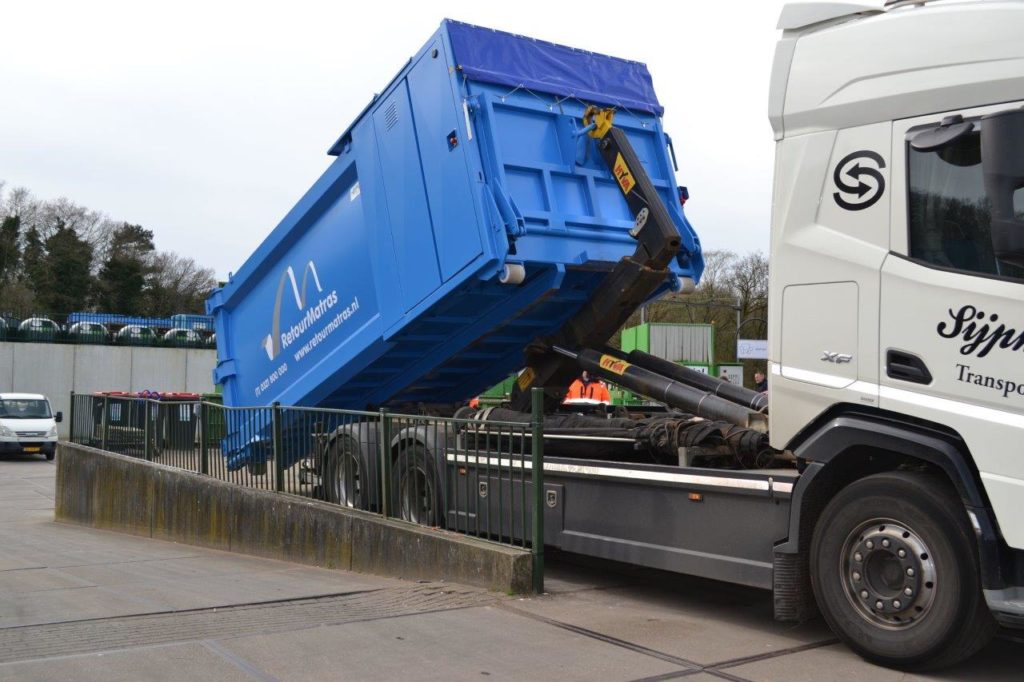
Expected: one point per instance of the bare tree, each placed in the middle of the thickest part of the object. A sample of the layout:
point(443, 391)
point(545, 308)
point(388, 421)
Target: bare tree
point(178, 284)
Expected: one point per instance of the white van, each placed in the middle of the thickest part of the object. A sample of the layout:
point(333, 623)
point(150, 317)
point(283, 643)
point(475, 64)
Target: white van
point(27, 424)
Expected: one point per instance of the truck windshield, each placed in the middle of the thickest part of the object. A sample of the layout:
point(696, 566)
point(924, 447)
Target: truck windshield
point(950, 213)
point(24, 409)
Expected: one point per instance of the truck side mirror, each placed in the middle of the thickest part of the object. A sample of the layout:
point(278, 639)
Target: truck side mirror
point(1002, 157)
point(59, 417)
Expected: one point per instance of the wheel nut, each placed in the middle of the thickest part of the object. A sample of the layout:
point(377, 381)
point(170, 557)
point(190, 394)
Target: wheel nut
point(909, 592)
point(910, 572)
point(858, 557)
point(902, 553)
point(863, 594)
point(856, 576)
point(885, 543)
point(869, 544)
point(896, 604)
point(879, 605)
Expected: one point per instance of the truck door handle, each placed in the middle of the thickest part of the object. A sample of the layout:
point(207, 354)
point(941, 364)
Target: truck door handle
point(906, 367)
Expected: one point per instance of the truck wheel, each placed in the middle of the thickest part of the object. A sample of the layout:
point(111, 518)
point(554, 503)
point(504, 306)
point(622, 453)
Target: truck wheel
point(343, 473)
point(416, 487)
point(895, 572)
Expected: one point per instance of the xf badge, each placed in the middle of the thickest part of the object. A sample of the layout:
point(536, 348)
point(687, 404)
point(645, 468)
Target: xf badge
point(837, 358)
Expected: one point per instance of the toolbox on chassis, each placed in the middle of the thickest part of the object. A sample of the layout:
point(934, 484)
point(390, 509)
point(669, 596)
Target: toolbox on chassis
point(889, 491)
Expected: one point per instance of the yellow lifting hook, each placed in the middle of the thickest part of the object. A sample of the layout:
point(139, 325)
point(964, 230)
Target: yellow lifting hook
point(600, 119)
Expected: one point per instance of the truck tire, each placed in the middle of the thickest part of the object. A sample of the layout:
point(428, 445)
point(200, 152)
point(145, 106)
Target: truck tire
point(416, 487)
point(894, 570)
point(344, 473)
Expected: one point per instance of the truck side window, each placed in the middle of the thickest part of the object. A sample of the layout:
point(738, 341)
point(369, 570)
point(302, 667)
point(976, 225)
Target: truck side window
point(949, 211)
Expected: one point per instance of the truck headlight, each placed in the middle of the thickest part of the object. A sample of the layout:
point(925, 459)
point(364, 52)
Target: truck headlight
point(52, 433)
point(6, 432)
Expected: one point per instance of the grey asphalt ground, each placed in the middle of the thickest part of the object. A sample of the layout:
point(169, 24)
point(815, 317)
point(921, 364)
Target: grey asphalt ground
point(87, 605)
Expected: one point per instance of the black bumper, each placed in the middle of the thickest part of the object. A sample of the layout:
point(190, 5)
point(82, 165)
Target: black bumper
point(28, 447)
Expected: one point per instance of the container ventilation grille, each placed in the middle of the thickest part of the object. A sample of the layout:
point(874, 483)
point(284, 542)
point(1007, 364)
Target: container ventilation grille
point(391, 116)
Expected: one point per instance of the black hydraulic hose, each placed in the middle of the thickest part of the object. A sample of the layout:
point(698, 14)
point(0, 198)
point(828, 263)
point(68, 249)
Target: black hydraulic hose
point(723, 389)
point(672, 393)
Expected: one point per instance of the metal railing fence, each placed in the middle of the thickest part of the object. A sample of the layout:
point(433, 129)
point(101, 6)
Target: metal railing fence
point(479, 478)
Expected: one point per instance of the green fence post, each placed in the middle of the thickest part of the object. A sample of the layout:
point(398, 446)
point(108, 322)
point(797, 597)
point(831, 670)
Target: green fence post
point(204, 452)
point(105, 423)
point(385, 462)
point(537, 480)
point(147, 431)
point(278, 448)
point(71, 418)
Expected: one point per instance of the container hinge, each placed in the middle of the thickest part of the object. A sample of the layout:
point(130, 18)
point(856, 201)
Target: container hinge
point(214, 301)
point(515, 224)
point(224, 369)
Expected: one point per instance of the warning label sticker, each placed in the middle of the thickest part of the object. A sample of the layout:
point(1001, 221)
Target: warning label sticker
point(613, 364)
point(623, 175)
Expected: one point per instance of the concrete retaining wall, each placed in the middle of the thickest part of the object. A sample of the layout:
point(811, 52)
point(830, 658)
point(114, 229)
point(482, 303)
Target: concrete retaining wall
point(109, 491)
point(55, 369)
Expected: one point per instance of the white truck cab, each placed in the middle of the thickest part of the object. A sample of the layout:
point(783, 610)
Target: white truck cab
point(897, 316)
point(27, 424)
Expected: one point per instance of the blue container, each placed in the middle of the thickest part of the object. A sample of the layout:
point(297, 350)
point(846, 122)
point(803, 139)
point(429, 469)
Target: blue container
point(383, 285)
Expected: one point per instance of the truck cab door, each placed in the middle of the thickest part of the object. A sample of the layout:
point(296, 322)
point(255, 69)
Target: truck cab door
point(951, 313)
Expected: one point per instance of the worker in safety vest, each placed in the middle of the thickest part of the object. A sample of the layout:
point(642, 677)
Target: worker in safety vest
point(588, 388)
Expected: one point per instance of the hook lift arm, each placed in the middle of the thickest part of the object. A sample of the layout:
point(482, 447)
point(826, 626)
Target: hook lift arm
point(629, 284)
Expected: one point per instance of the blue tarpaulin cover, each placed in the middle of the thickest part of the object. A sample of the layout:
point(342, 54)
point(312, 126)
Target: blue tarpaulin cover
point(492, 56)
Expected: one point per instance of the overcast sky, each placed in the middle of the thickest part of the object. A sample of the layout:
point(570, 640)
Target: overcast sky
point(206, 121)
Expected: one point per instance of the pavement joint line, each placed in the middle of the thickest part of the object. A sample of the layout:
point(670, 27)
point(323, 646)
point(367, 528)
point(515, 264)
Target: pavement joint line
point(91, 636)
point(673, 675)
point(238, 661)
point(271, 602)
point(23, 568)
point(608, 639)
point(734, 662)
point(692, 667)
point(84, 654)
point(727, 676)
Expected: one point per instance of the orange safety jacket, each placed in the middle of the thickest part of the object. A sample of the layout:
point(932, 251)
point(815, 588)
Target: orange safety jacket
point(595, 390)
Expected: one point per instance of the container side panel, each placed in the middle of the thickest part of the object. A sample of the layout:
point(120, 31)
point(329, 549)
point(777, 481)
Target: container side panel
point(320, 298)
point(408, 214)
point(445, 173)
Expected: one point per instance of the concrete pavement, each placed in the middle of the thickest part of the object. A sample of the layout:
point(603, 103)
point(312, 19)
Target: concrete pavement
point(86, 604)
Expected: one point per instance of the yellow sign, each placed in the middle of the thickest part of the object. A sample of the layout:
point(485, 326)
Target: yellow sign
point(623, 174)
point(525, 379)
point(613, 364)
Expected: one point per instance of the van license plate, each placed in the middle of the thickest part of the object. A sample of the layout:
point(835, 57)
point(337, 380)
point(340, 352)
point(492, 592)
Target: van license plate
point(32, 449)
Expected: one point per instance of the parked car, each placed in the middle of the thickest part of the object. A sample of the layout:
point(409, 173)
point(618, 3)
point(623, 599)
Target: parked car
point(136, 334)
point(27, 424)
point(89, 332)
point(182, 337)
point(39, 328)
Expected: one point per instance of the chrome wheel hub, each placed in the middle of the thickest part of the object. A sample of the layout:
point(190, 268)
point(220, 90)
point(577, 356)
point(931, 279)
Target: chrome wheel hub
point(888, 573)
